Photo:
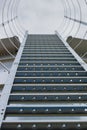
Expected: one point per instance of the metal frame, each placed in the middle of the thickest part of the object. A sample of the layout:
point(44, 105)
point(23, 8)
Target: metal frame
point(24, 97)
point(83, 64)
point(9, 83)
point(76, 20)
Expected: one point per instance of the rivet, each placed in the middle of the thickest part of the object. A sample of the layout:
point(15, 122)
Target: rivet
point(71, 80)
point(19, 126)
point(60, 110)
point(45, 98)
point(57, 97)
point(49, 125)
point(21, 110)
point(34, 98)
point(64, 88)
point(78, 125)
point(46, 110)
point(76, 73)
point(68, 74)
point(61, 80)
point(54, 88)
point(34, 110)
point(64, 125)
point(22, 98)
point(1, 113)
point(34, 88)
point(72, 109)
point(34, 125)
point(34, 80)
point(79, 97)
point(24, 88)
point(44, 88)
point(68, 97)
point(24, 80)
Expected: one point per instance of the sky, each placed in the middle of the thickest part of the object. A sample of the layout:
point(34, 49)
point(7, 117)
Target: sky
point(41, 16)
point(46, 16)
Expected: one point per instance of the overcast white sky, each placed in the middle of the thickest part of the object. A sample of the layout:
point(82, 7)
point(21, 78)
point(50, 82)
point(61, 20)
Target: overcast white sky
point(41, 16)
